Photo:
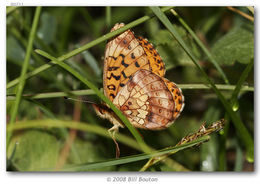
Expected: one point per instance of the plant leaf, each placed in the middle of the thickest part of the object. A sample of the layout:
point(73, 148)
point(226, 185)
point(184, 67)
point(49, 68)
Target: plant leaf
point(236, 45)
point(35, 150)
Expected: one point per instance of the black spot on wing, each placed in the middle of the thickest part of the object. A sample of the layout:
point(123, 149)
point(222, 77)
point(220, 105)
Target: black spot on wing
point(124, 64)
point(113, 57)
point(112, 95)
point(115, 77)
point(112, 68)
point(132, 55)
point(123, 73)
point(111, 87)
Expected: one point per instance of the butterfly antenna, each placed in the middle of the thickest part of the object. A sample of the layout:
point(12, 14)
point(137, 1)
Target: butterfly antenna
point(80, 100)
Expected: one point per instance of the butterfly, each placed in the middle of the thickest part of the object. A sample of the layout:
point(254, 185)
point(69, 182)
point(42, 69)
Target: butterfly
point(133, 79)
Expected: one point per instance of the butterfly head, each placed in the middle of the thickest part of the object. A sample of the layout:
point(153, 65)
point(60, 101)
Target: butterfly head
point(101, 110)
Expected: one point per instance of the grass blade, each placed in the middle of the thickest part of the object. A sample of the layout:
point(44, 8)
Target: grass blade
point(240, 127)
point(235, 107)
point(54, 94)
point(134, 158)
point(91, 92)
point(240, 82)
point(48, 123)
point(22, 81)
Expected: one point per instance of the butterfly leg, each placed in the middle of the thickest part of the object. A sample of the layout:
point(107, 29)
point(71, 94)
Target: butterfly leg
point(112, 131)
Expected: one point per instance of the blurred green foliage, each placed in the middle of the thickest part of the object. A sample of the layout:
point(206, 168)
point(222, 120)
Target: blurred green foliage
point(229, 37)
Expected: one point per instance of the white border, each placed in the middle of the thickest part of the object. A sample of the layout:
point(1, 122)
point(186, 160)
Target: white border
point(132, 3)
point(194, 178)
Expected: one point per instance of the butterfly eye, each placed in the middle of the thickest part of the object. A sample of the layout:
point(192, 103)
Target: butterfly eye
point(129, 103)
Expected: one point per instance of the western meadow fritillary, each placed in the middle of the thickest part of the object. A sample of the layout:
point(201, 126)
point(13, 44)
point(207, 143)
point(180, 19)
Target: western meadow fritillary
point(133, 79)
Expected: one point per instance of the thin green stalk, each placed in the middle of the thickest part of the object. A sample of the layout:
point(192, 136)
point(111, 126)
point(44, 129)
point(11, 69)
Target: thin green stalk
point(23, 125)
point(240, 82)
point(108, 16)
point(240, 127)
point(85, 47)
point(54, 94)
point(134, 158)
point(91, 92)
point(219, 86)
point(102, 96)
point(22, 81)
point(234, 98)
point(202, 46)
point(222, 166)
point(235, 107)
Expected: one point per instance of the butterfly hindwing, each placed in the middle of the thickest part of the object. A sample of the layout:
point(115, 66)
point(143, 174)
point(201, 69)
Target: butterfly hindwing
point(146, 101)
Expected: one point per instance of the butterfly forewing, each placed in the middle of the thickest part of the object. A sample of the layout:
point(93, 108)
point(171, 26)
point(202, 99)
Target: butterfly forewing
point(125, 55)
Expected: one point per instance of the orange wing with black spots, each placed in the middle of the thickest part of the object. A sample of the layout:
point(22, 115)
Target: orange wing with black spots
point(125, 54)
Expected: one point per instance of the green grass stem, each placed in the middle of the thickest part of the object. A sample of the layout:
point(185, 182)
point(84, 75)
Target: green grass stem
point(86, 92)
point(22, 78)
